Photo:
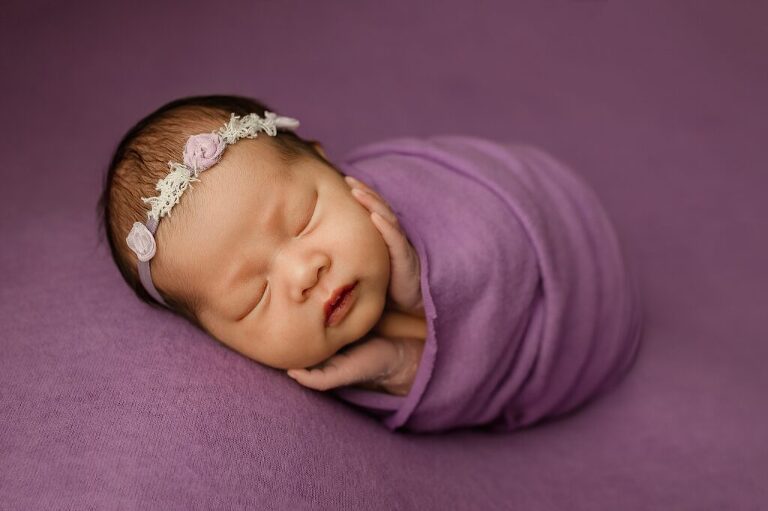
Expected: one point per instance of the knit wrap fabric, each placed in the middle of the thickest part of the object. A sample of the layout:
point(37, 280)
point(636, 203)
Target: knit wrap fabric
point(531, 308)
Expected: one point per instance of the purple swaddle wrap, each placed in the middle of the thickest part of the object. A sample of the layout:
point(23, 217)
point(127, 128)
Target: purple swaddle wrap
point(531, 310)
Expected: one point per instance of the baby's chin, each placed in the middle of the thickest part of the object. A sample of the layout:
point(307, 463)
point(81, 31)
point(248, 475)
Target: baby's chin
point(367, 330)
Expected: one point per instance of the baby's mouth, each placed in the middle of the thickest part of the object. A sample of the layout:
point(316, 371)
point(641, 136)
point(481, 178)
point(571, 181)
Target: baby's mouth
point(338, 305)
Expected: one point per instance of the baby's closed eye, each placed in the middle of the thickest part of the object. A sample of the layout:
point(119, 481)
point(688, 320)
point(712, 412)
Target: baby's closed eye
point(310, 214)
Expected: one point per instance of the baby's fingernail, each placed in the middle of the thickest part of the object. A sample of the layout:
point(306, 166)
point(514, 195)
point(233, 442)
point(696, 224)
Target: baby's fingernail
point(292, 374)
point(351, 180)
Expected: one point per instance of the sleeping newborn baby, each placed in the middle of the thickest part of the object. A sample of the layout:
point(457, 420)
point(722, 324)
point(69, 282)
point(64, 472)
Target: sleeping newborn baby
point(436, 283)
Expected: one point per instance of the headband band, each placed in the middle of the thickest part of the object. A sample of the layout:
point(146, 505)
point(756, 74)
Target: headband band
point(201, 152)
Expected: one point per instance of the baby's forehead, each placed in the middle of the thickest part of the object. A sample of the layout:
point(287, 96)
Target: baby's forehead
point(249, 179)
point(258, 152)
point(249, 163)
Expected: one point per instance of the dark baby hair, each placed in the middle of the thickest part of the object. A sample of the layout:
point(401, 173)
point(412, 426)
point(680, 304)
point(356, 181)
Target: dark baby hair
point(141, 159)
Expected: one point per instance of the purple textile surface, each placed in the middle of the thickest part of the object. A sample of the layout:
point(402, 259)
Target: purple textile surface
point(661, 106)
point(530, 310)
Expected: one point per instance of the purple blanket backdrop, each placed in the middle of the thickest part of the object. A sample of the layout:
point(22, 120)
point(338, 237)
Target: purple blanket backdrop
point(662, 107)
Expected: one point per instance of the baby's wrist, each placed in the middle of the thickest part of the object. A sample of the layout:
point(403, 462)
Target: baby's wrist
point(400, 380)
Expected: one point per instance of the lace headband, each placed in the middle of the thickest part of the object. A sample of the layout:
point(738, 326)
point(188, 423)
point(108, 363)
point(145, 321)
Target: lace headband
point(201, 152)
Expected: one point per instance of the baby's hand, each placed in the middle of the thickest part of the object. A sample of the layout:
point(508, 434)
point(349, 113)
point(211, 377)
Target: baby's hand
point(383, 363)
point(404, 283)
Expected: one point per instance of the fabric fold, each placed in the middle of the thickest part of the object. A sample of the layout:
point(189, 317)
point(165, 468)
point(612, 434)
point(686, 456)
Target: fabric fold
point(531, 309)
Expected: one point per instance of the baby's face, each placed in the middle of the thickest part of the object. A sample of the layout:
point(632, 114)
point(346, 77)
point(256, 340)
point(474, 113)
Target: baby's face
point(266, 244)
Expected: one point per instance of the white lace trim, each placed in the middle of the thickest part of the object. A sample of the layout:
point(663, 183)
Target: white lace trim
point(170, 187)
point(180, 176)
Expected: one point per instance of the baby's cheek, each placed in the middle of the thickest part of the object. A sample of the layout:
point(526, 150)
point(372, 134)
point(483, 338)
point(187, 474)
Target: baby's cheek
point(293, 349)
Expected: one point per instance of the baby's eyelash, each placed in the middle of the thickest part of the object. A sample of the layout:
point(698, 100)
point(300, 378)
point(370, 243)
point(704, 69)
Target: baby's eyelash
point(263, 293)
point(311, 213)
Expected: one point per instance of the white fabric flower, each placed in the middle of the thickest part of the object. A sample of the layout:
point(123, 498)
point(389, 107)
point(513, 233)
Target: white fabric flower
point(141, 241)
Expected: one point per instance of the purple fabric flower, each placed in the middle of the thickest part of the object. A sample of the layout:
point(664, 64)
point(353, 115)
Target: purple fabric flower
point(203, 150)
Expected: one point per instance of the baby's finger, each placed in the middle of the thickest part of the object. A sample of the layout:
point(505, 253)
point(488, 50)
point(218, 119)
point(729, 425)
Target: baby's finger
point(356, 183)
point(359, 185)
point(373, 204)
point(398, 244)
point(337, 371)
point(323, 378)
point(364, 361)
point(404, 287)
